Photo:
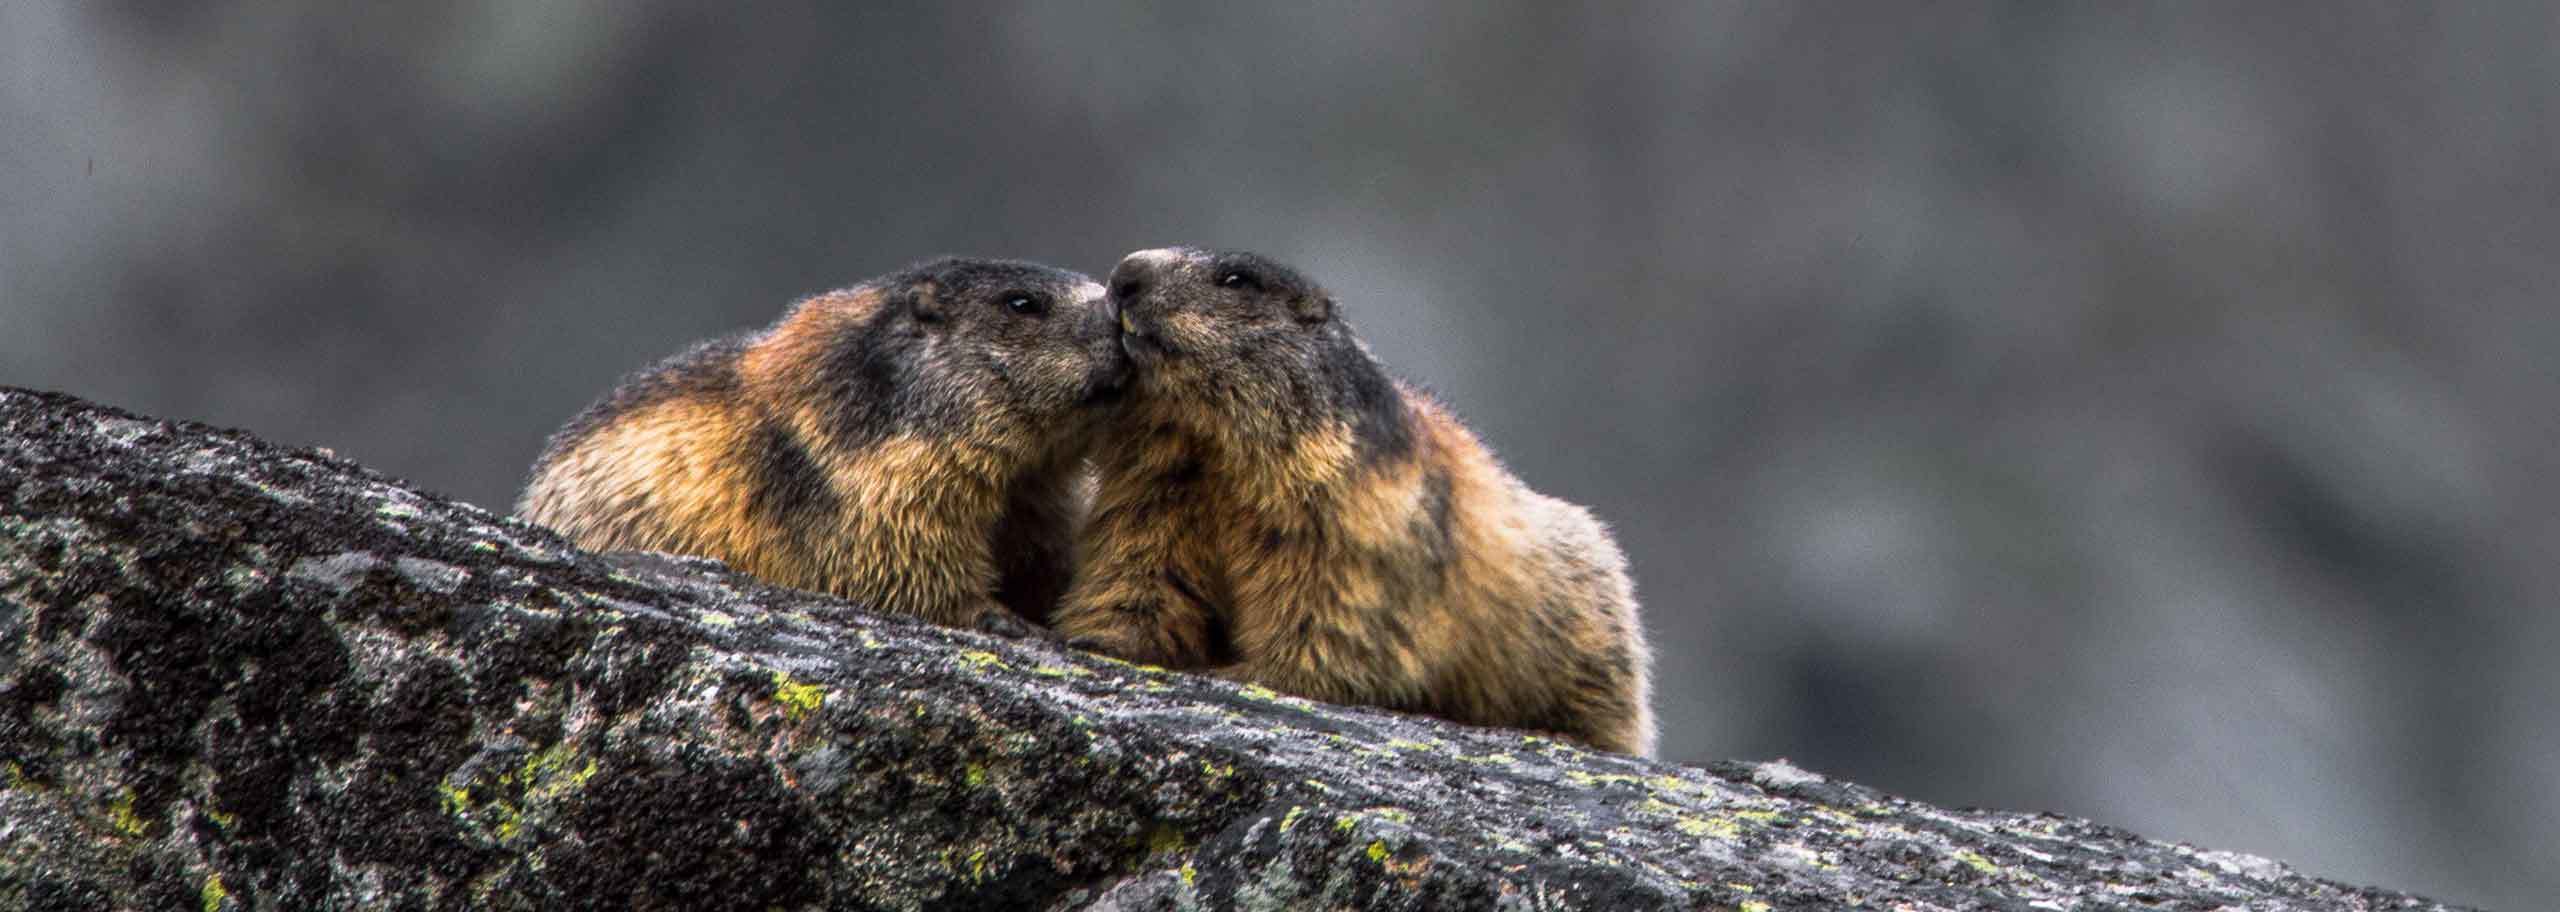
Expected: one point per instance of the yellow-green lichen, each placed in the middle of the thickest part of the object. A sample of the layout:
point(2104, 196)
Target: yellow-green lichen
point(1258, 692)
point(542, 779)
point(980, 659)
point(1139, 667)
point(1656, 806)
point(457, 800)
point(1834, 814)
point(1753, 905)
point(1060, 671)
point(978, 865)
point(1717, 827)
point(1290, 819)
point(120, 813)
point(1165, 840)
point(213, 893)
point(1975, 861)
point(220, 819)
point(799, 699)
point(1188, 875)
point(17, 776)
point(1377, 850)
point(975, 775)
point(548, 774)
point(1217, 770)
point(1344, 823)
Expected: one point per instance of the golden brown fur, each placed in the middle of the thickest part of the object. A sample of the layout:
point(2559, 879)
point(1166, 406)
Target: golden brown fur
point(1274, 507)
point(909, 443)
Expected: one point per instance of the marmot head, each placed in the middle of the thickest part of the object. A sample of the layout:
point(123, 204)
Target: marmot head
point(989, 349)
point(1251, 344)
point(1188, 314)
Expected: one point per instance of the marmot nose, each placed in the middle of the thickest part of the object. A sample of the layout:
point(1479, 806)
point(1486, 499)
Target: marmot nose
point(1140, 270)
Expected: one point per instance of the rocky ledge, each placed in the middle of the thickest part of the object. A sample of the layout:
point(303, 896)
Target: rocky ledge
point(239, 676)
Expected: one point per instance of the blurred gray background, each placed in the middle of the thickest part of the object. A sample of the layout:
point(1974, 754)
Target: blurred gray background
point(2139, 413)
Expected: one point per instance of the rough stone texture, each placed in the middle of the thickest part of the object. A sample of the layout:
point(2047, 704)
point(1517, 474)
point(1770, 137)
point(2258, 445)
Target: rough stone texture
point(238, 676)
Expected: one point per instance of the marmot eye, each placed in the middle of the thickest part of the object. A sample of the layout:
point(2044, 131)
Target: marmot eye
point(1239, 279)
point(1026, 303)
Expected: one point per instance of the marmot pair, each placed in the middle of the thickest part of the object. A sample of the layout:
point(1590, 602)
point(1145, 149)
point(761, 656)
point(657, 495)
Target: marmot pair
point(1268, 504)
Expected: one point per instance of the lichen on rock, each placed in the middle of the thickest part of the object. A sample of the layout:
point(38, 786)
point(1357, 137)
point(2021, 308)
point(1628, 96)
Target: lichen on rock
point(237, 676)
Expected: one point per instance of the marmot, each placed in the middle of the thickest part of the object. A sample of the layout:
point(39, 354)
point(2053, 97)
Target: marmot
point(911, 442)
point(1279, 508)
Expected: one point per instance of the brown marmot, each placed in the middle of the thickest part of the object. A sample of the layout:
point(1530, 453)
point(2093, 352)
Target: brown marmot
point(911, 442)
point(1274, 505)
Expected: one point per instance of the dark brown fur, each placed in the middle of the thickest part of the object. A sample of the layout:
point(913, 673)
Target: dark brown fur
point(911, 442)
point(1276, 507)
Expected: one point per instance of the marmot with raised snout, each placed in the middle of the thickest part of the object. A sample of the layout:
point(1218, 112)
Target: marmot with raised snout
point(912, 443)
point(1274, 506)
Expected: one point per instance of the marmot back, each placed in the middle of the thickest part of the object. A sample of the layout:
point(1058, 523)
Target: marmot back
point(911, 442)
point(1278, 508)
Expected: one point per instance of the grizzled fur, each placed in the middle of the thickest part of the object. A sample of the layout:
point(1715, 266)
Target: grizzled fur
point(911, 442)
point(1276, 507)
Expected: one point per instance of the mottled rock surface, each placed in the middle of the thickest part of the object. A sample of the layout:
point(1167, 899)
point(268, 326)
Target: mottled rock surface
point(236, 676)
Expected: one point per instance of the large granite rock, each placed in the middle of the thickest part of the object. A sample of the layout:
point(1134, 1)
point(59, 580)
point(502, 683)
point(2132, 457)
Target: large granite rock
point(237, 676)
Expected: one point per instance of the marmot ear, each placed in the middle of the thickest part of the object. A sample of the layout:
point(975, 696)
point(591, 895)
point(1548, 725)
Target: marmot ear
point(924, 299)
point(1311, 308)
